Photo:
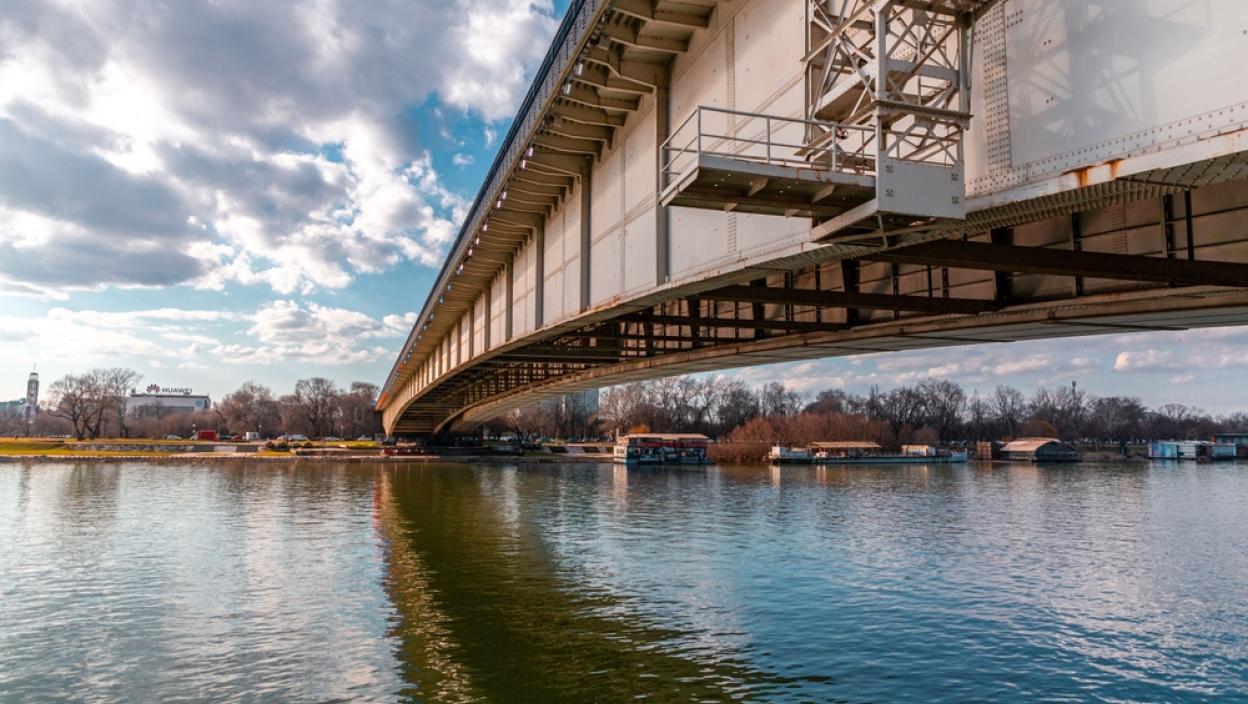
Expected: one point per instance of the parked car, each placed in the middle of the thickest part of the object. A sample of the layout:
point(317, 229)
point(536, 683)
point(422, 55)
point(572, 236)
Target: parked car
point(331, 438)
point(172, 437)
point(363, 438)
point(295, 438)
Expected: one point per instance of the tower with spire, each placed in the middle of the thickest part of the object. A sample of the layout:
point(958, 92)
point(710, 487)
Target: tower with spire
point(32, 396)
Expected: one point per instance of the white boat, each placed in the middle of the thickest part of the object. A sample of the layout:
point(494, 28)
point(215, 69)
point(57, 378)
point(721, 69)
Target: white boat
point(661, 448)
point(863, 452)
point(790, 455)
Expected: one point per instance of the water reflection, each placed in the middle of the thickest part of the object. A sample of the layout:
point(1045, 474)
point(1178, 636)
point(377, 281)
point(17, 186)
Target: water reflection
point(512, 621)
point(550, 583)
point(817, 583)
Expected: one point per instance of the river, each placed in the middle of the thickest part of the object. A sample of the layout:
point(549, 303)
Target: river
point(591, 583)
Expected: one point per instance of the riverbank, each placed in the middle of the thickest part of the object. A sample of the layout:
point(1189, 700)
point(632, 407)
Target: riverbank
point(106, 451)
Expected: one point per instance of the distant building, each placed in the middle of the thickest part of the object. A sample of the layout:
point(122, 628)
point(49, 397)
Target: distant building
point(159, 401)
point(13, 409)
point(32, 396)
point(1039, 450)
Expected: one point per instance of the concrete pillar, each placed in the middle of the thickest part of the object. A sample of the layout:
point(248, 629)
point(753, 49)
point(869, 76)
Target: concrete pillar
point(539, 273)
point(662, 217)
point(587, 187)
point(508, 306)
point(485, 329)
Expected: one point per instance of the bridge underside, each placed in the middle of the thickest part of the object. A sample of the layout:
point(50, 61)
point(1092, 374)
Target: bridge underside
point(1147, 258)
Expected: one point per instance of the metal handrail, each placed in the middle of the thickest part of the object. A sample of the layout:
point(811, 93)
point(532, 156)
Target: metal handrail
point(692, 139)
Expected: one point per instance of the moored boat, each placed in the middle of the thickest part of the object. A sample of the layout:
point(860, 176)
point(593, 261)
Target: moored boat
point(864, 452)
point(661, 448)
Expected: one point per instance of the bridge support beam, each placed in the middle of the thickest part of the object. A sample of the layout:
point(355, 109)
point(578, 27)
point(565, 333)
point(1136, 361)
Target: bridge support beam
point(509, 308)
point(757, 324)
point(1008, 258)
point(662, 219)
point(844, 299)
point(539, 273)
point(587, 187)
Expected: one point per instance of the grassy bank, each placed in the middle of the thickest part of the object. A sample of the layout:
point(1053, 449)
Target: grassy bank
point(132, 447)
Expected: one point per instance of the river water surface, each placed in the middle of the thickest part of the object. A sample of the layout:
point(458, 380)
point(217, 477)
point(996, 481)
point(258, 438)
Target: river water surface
point(590, 583)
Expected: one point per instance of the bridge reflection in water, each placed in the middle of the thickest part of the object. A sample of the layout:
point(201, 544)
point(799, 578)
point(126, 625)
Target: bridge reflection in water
point(592, 583)
point(489, 612)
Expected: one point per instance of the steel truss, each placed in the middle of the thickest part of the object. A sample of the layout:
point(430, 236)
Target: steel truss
point(899, 68)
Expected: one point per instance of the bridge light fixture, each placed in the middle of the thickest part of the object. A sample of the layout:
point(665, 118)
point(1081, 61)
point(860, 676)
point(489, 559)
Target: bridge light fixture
point(498, 204)
point(524, 164)
point(486, 226)
point(529, 152)
point(504, 196)
point(580, 68)
point(567, 88)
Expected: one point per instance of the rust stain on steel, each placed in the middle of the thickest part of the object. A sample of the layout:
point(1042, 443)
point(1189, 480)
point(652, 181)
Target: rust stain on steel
point(1095, 173)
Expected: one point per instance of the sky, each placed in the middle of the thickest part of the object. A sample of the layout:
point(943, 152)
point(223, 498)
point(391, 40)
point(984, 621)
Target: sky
point(211, 193)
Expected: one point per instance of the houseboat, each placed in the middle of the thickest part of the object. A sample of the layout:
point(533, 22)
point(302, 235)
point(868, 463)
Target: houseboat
point(1198, 450)
point(1039, 450)
point(661, 448)
point(790, 455)
point(863, 452)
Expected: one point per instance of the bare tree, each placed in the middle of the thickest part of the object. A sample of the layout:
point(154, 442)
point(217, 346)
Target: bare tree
point(737, 405)
point(356, 413)
point(1118, 418)
point(251, 408)
point(943, 404)
point(115, 384)
point(74, 398)
point(778, 400)
point(979, 418)
point(1009, 409)
point(316, 400)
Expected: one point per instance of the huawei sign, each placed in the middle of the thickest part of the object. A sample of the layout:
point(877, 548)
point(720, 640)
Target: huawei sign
point(158, 389)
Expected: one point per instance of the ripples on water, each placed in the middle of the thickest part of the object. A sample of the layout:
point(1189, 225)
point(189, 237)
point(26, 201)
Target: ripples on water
point(449, 583)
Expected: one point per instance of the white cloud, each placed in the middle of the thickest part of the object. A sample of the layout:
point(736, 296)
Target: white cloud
point(462, 160)
point(1144, 360)
point(1030, 363)
point(236, 141)
point(281, 331)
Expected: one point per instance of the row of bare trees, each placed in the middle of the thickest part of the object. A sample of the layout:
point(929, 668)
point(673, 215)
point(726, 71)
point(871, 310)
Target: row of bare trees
point(93, 401)
point(93, 405)
point(933, 409)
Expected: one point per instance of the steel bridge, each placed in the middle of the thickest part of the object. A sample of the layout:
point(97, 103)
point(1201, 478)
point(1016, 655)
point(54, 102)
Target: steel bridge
point(694, 185)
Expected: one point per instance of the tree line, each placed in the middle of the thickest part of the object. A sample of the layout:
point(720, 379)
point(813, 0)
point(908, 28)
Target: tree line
point(93, 405)
point(933, 410)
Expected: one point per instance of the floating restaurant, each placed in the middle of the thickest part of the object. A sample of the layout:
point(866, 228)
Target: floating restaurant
point(862, 452)
point(661, 448)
